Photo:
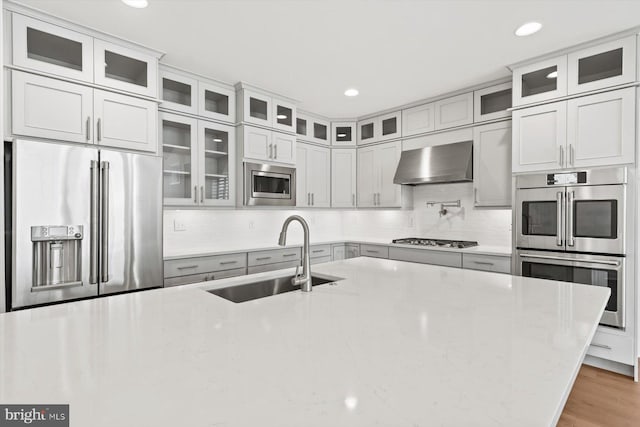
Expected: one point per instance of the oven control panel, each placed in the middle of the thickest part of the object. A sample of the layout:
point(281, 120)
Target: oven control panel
point(567, 178)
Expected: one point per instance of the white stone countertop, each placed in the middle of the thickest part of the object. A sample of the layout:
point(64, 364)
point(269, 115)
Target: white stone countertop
point(393, 344)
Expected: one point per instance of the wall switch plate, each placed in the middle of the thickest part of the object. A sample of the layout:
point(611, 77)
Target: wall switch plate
point(179, 225)
point(251, 225)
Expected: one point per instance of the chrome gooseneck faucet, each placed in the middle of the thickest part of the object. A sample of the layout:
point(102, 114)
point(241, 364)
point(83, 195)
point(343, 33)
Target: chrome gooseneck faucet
point(305, 279)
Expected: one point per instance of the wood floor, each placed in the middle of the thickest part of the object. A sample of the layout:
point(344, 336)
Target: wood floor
point(602, 398)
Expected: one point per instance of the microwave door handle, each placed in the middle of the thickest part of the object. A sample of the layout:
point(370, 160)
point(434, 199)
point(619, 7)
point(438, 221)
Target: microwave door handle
point(559, 221)
point(570, 211)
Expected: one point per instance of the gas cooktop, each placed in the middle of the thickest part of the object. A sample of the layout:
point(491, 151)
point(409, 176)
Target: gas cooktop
point(435, 242)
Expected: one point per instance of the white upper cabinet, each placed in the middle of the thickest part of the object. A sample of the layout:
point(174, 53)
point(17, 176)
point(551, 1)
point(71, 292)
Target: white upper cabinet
point(179, 136)
point(368, 131)
point(51, 49)
point(605, 65)
point(376, 168)
point(302, 127)
point(492, 102)
point(601, 129)
point(492, 164)
point(343, 133)
point(313, 129)
point(417, 120)
point(216, 167)
point(541, 81)
point(284, 115)
point(50, 108)
point(125, 122)
point(313, 180)
point(284, 148)
point(343, 178)
point(257, 108)
point(216, 101)
point(454, 111)
point(178, 92)
point(125, 69)
point(268, 146)
point(539, 137)
point(390, 126)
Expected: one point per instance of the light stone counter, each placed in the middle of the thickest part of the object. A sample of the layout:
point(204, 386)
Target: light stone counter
point(394, 344)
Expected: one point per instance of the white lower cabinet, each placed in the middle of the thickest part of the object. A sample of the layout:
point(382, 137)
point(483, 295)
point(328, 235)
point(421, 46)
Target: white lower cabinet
point(492, 164)
point(374, 251)
point(426, 256)
point(343, 178)
point(376, 168)
point(313, 176)
point(497, 264)
point(612, 346)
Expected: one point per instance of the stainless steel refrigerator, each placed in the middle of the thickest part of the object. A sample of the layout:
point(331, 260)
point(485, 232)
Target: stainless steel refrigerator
point(84, 222)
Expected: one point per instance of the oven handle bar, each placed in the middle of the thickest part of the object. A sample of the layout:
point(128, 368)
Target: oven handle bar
point(557, 258)
point(560, 228)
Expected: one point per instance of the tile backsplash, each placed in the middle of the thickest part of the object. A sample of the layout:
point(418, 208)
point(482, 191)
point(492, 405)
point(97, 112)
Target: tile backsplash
point(218, 230)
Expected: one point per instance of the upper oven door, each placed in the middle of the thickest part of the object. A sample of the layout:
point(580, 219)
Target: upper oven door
point(595, 219)
point(540, 218)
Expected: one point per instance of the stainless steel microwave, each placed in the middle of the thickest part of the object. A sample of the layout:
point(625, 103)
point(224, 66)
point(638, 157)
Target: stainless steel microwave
point(269, 185)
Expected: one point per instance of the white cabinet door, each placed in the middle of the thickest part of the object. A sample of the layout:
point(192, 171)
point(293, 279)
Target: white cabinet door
point(125, 122)
point(257, 143)
point(367, 177)
point(492, 102)
point(343, 134)
point(417, 120)
point(216, 102)
point(178, 92)
point(539, 137)
point(50, 108)
point(454, 111)
point(125, 69)
point(216, 164)
point(390, 126)
point(256, 108)
point(605, 65)
point(320, 131)
point(319, 176)
point(492, 164)
point(343, 178)
point(540, 81)
point(179, 139)
point(601, 129)
point(283, 115)
point(388, 155)
point(303, 193)
point(368, 131)
point(284, 148)
point(54, 50)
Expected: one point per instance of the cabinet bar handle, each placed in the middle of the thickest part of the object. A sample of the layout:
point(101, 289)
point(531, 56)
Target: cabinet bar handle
point(202, 194)
point(88, 128)
point(195, 193)
point(572, 157)
point(353, 200)
point(561, 155)
point(313, 199)
point(308, 199)
point(606, 347)
point(271, 151)
point(98, 130)
point(288, 255)
point(186, 267)
point(317, 251)
point(275, 151)
point(227, 262)
point(371, 251)
point(483, 262)
point(263, 258)
point(475, 196)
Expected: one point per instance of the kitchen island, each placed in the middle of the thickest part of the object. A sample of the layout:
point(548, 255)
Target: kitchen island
point(393, 344)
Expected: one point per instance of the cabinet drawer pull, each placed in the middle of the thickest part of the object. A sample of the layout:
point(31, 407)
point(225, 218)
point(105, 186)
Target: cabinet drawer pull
point(228, 262)
point(483, 263)
point(288, 255)
point(606, 347)
point(318, 251)
point(263, 258)
point(187, 267)
point(371, 251)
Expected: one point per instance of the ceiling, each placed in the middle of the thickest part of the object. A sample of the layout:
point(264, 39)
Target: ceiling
point(393, 51)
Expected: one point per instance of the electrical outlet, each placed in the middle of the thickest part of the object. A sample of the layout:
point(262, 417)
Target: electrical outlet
point(179, 225)
point(410, 221)
point(251, 225)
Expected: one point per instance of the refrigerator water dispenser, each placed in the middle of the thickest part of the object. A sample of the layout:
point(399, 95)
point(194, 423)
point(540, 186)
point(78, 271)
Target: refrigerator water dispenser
point(57, 256)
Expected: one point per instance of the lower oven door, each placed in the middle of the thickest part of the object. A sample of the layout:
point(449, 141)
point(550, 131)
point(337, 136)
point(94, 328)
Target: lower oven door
point(595, 270)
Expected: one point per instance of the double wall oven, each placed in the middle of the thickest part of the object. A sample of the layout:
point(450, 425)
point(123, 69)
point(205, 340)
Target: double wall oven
point(570, 226)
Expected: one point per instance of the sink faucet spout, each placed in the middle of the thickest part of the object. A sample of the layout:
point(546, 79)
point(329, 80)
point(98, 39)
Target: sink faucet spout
point(305, 279)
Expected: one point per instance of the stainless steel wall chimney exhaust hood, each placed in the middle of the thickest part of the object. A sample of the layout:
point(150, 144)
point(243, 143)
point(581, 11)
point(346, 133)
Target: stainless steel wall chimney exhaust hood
point(438, 164)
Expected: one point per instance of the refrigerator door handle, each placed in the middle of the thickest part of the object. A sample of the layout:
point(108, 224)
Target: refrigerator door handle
point(104, 232)
point(95, 189)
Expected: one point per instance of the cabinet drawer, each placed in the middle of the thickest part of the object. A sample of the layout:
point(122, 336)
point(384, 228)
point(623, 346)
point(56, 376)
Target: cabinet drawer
point(612, 347)
point(498, 264)
point(318, 251)
point(320, 260)
point(191, 266)
point(271, 267)
point(374, 251)
point(274, 256)
point(203, 277)
point(426, 256)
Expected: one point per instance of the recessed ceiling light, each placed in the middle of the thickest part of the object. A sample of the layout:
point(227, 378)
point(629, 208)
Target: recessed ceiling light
point(138, 4)
point(528, 29)
point(217, 140)
point(351, 92)
point(552, 75)
point(281, 116)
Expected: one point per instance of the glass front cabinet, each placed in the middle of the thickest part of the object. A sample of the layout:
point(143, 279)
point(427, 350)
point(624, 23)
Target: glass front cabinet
point(343, 133)
point(178, 92)
point(313, 129)
point(492, 102)
point(540, 81)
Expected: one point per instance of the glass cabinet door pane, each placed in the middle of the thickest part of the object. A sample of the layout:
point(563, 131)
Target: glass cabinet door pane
point(343, 134)
point(125, 69)
point(301, 126)
point(366, 131)
point(177, 92)
point(216, 164)
point(284, 116)
point(595, 219)
point(216, 102)
point(53, 49)
point(176, 147)
point(496, 101)
point(539, 218)
point(540, 81)
point(258, 108)
point(389, 126)
point(320, 131)
point(600, 66)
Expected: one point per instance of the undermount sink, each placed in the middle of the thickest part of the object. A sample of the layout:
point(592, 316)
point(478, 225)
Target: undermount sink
point(265, 288)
